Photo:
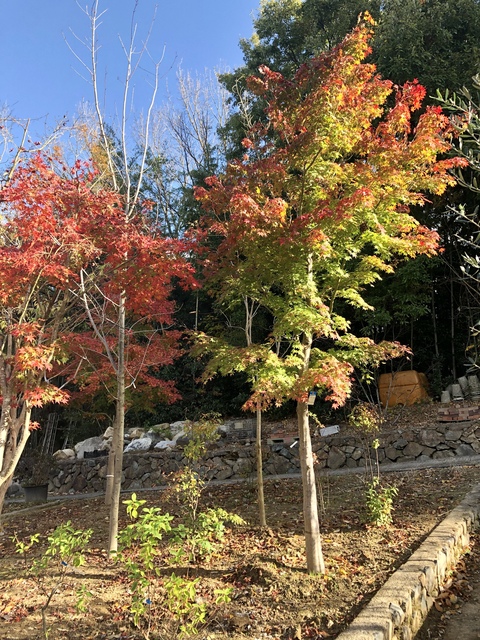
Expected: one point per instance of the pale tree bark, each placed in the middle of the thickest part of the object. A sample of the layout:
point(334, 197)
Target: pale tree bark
point(117, 173)
point(16, 409)
point(251, 308)
point(259, 459)
point(118, 433)
point(313, 540)
point(14, 435)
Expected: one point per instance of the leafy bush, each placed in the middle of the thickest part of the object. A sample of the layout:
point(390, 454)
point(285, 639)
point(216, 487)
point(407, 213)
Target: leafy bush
point(160, 603)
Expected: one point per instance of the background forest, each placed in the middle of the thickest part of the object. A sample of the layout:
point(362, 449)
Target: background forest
point(429, 304)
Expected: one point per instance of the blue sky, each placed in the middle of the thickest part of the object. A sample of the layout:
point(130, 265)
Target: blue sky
point(39, 76)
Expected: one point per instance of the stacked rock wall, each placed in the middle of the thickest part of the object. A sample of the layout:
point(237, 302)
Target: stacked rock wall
point(236, 460)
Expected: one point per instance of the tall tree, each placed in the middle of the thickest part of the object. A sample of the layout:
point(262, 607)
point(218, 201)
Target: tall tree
point(115, 161)
point(305, 223)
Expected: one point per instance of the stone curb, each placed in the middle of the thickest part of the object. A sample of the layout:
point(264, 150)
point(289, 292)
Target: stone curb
point(399, 608)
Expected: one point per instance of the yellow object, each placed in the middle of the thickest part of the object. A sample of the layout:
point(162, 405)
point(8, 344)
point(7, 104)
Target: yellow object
point(403, 387)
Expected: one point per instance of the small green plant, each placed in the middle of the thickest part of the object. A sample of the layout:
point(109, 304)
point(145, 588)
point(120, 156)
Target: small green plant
point(22, 547)
point(168, 601)
point(197, 538)
point(223, 596)
point(199, 434)
point(66, 549)
point(198, 532)
point(365, 418)
point(181, 602)
point(379, 503)
point(139, 544)
point(83, 598)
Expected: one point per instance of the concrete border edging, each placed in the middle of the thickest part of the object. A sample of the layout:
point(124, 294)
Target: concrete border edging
point(399, 608)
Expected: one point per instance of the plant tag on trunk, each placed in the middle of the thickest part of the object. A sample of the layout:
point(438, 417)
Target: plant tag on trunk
point(312, 396)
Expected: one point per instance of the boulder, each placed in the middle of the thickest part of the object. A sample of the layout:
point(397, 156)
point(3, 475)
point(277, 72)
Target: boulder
point(108, 433)
point(224, 473)
point(178, 426)
point(440, 455)
point(165, 444)
point(178, 436)
point(156, 437)
point(454, 433)
point(141, 444)
point(64, 454)
point(162, 428)
point(96, 443)
point(392, 453)
point(79, 484)
point(135, 433)
point(413, 449)
point(15, 490)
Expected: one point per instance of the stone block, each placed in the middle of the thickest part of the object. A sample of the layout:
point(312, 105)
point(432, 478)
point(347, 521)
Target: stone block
point(476, 446)
point(400, 443)
point(406, 633)
point(453, 434)
point(357, 454)
point(142, 444)
point(79, 484)
point(398, 615)
point(392, 453)
point(336, 458)
point(423, 458)
point(224, 473)
point(430, 437)
point(90, 444)
point(440, 455)
point(428, 451)
point(413, 449)
point(464, 450)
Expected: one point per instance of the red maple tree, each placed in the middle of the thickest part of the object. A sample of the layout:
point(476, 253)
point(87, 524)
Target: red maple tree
point(64, 240)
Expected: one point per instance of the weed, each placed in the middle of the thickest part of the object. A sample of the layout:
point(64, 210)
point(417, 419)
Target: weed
point(379, 502)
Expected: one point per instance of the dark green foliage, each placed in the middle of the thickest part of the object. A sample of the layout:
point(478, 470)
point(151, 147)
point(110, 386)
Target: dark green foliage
point(436, 41)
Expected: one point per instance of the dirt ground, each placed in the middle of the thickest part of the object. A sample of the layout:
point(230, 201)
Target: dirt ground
point(272, 597)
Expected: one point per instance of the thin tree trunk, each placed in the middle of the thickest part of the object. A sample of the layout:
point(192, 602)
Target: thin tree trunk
point(17, 439)
point(119, 431)
point(313, 541)
point(250, 311)
point(452, 330)
point(434, 323)
point(258, 451)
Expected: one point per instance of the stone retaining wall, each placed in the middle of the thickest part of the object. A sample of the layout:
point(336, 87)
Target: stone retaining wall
point(227, 459)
